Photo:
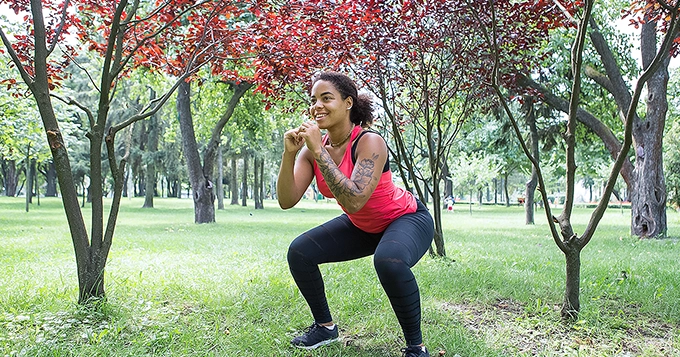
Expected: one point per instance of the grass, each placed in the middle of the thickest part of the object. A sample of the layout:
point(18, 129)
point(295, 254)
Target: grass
point(179, 289)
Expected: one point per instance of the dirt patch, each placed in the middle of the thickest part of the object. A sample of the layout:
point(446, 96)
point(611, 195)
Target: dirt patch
point(507, 325)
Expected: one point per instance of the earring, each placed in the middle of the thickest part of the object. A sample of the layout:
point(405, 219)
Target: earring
point(350, 107)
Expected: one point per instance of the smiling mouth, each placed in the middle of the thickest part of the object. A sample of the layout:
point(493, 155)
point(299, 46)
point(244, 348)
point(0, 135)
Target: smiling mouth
point(320, 116)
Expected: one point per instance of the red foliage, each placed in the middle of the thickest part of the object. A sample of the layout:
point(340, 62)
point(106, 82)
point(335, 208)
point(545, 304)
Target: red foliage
point(641, 11)
point(373, 37)
point(282, 43)
point(177, 36)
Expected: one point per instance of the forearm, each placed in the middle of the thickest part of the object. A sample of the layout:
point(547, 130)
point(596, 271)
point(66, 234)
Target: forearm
point(350, 194)
point(285, 183)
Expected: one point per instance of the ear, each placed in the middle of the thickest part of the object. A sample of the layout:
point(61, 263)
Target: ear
point(349, 102)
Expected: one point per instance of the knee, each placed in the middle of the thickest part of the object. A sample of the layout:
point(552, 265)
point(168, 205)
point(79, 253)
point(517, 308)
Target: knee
point(389, 267)
point(296, 252)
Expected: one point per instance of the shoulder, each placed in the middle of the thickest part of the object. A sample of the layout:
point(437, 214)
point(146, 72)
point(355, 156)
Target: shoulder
point(369, 139)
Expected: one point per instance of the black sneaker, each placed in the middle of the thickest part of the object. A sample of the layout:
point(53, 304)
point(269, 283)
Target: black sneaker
point(316, 336)
point(415, 351)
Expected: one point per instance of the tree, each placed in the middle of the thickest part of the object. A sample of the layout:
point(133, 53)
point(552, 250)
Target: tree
point(672, 145)
point(672, 164)
point(126, 36)
point(644, 176)
point(420, 59)
point(19, 140)
point(201, 174)
point(569, 242)
point(473, 172)
point(19, 144)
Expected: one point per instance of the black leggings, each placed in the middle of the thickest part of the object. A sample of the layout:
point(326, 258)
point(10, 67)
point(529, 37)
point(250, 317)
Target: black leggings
point(395, 250)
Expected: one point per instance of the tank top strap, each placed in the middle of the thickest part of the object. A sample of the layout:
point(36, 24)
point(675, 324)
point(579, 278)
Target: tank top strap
point(356, 142)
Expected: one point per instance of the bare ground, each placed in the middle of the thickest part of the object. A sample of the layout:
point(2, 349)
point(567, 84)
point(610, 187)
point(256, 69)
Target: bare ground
point(507, 325)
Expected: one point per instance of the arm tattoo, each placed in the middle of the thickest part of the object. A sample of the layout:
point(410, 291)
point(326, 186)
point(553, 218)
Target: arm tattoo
point(340, 185)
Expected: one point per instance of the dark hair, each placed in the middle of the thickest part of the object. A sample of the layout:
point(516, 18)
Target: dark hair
point(362, 104)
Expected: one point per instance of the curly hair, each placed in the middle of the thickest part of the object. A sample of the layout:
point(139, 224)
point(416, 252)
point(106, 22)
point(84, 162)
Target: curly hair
point(362, 109)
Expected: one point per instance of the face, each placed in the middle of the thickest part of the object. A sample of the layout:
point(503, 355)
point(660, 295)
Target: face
point(327, 106)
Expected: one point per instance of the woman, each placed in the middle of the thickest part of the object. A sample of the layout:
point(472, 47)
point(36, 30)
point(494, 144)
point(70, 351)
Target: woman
point(380, 218)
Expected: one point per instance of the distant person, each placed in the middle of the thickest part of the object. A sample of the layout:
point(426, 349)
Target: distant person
point(448, 203)
point(351, 164)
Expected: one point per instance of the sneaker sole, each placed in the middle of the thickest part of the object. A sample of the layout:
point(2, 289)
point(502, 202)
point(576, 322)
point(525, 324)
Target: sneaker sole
point(322, 343)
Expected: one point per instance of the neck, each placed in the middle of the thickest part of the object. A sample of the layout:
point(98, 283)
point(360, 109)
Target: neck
point(340, 140)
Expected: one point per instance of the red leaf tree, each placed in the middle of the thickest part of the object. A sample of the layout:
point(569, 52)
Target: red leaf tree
point(229, 57)
point(126, 36)
point(425, 61)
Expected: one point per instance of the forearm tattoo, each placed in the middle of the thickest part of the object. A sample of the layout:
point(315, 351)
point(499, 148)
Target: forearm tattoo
point(342, 187)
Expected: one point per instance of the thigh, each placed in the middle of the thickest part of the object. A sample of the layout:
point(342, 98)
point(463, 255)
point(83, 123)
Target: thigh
point(407, 238)
point(335, 241)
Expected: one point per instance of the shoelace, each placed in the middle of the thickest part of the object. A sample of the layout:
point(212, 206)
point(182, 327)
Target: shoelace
point(311, 328)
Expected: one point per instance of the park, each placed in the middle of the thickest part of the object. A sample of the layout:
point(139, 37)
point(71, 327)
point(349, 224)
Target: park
point(147, 151)
point(176, 288)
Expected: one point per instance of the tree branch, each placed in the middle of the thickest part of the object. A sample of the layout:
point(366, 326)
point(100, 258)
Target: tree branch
point(87, 73)
point(610, 141)
point(497, 89)
point(15, 58)
point(565, 12)
point(576, 65)
point(145, 112)
point(123, 61)
point(57, 34)
point(619, 88)
point(71, 101)
point(209, 154)
point(599, 78)
point(660, 57)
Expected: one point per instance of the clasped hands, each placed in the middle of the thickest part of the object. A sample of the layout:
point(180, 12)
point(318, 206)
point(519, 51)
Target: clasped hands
point(308, 132)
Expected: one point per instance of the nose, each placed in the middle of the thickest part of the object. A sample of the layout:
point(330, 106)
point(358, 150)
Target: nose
point(316, 105)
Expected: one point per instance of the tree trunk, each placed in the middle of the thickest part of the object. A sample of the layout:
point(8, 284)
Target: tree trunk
point(244, 183)
point(220, 178)
point(90, 284)
point(202, 188)
point(571, 304)
point(233, 181)
point(9, 169)
point(37, 185)
point(530, 191)
point(505, 190)
point(257, 182)
point(437, 210)
point(29, 178)
point(150, 160)
point(177, 188)
point(448, 184)
point(648, 199)
point(262, 191)
point(51, 180)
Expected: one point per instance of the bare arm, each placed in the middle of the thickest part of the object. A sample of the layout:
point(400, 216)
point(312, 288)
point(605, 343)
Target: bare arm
point(295, 174)
point(353, 192)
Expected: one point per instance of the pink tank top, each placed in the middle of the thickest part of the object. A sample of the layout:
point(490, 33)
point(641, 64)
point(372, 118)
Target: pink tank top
point(387, 203)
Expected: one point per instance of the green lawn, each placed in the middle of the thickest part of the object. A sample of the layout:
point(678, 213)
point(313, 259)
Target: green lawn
point(180, 289)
